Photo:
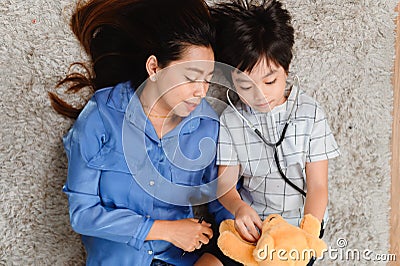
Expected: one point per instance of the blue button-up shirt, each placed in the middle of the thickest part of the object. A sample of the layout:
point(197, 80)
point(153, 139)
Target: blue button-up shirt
point(115, 193)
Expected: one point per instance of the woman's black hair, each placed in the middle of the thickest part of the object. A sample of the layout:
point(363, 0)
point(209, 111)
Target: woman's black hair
point(119, 36)
point(248, 32)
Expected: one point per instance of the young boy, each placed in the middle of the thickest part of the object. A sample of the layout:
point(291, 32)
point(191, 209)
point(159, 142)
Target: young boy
point(258, 41)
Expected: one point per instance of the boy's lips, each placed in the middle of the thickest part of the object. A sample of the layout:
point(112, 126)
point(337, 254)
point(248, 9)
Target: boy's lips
point(264, 105)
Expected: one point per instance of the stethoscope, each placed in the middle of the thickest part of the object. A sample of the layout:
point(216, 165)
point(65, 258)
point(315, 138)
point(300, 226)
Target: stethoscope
point(275, 145)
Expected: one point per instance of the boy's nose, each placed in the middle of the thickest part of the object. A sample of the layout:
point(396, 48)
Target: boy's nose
point(259, 95)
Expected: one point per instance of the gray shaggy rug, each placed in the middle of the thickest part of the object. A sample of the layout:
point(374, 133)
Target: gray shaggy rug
point(343, 54)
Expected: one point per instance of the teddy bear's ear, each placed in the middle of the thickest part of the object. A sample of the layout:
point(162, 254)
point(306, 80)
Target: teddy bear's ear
point(311, 225)
point(227, 225)
point(272, 217)
point(233, 246)
point(271, 220)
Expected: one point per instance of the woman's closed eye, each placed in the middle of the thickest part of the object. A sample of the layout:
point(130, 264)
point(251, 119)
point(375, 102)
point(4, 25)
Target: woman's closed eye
point(208, 78)
point(197, 80)
point(245, 85)
point(245, 88)
point(190, 79)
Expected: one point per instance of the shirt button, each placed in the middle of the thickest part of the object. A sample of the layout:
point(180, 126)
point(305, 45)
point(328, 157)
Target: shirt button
point(159, 144)
point(150, 252)
point(152, 183)
point(147, 216)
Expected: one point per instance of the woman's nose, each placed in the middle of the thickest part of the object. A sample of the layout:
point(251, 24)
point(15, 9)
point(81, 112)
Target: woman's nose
point(201, 89)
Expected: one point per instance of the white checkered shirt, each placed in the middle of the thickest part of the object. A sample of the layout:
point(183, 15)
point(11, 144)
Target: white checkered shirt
point(308, 139)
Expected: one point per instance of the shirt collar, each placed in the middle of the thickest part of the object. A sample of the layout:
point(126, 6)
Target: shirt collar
point(277, 109)
point(120, 95)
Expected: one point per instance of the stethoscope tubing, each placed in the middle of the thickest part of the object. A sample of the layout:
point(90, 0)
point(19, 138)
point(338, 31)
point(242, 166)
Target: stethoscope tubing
point(279, 142)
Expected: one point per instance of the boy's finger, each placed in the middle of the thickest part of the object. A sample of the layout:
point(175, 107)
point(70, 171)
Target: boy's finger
point(243, 231)
point(251, 228)
point(258, 223)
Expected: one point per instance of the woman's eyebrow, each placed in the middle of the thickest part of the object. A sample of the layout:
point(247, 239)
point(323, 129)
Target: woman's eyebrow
point(243, 80)
point(198, 70)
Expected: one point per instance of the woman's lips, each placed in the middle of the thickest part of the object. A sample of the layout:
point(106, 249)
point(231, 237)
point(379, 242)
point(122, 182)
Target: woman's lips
point(191, 106)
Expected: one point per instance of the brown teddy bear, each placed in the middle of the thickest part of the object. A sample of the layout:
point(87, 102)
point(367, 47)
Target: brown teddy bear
point(280, 243)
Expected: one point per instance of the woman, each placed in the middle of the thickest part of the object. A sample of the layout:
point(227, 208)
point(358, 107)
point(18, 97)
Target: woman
point(135, 135)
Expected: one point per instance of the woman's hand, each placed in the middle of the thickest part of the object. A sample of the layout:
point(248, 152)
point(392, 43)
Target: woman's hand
point(186, 234)
point(189, 235)
point(248, 223)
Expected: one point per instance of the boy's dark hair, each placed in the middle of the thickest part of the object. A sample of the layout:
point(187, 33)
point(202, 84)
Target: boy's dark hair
point(248, 32)
point(119, 36)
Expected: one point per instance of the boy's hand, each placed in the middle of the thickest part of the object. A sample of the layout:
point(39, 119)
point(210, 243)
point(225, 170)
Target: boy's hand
point(248, 223)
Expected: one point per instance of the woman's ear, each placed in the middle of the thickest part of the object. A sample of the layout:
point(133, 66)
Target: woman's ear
point(152, 67)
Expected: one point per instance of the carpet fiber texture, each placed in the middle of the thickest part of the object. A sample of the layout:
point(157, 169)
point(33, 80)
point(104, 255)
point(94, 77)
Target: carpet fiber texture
point(344, 55)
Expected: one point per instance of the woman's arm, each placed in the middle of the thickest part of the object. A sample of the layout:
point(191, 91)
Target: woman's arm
point(88, 214)
point(247, 221)
point(317, 188)
point(186, 234)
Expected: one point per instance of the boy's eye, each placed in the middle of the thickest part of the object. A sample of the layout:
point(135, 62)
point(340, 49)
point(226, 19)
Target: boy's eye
point(271, 82)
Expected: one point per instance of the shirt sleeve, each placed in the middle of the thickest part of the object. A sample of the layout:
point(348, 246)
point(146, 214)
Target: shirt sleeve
point(226, 151)
point(322, 144)
point(87, 214)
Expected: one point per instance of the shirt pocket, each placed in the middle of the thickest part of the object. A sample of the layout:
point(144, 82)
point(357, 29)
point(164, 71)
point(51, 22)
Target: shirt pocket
point(115, 178)
point(254, 182)
point(295, 146)
point(186, 177)
point(108, 159)
point(275, 192)
point(272, 182)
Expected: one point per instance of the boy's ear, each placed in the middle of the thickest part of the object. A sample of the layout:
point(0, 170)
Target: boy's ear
point(287, 73)
point(152, 67)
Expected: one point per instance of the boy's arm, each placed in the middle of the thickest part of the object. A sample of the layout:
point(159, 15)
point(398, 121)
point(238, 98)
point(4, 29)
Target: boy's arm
point(317, 188)
point(227, 193)
point(247, 221)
